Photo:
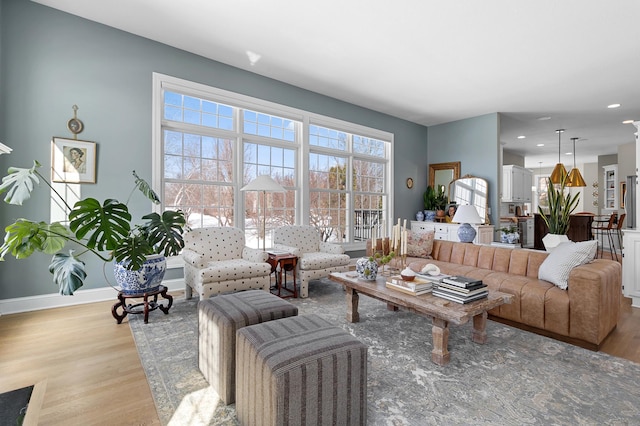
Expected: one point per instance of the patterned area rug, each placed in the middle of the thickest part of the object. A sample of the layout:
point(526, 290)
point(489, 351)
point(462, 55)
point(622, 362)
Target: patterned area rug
point(515, 378)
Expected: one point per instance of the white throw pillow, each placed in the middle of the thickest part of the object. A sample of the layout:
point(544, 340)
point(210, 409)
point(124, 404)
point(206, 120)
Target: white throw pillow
point(566, 256)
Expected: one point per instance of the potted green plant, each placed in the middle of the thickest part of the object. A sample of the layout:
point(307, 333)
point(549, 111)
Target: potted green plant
point(509, 234)
point(561, 206)
point(435, 200)
point(104, 229)
point(429, 199)
point(441, 201)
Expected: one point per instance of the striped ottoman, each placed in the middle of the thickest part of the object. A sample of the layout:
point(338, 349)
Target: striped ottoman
point(300, 370)
point(218, 320)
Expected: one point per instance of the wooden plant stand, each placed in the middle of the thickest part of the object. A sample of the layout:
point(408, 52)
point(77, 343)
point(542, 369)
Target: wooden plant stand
point(143, 307)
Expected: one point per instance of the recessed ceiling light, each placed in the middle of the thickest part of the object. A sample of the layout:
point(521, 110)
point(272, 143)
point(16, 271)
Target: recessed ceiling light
point(544, 118)
point(253, 57)
point(521, 137)
point(540, 144)
point(627, 122)
point(613, 106)
point(568, 153)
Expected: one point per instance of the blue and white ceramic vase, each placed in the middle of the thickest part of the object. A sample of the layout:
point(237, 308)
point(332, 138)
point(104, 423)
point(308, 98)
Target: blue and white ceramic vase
point(367, 268)
point(420, 216)
point(466, 233)
point(429, 215)
point(143, 280)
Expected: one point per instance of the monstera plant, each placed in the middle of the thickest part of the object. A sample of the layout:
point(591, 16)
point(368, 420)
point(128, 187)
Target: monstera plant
point(103, 229)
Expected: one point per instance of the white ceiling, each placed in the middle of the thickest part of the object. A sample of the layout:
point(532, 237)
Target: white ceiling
point(426, 61)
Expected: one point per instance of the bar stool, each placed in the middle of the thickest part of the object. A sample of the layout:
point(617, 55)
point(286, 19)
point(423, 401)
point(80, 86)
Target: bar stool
point(600, 228)
point(619, 232)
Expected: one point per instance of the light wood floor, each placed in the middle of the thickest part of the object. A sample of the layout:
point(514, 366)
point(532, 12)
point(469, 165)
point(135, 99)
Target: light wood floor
point(91, 365)
point(94, 375)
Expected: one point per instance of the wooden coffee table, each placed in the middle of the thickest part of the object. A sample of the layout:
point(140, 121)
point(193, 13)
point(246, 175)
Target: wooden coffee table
point(441, 311)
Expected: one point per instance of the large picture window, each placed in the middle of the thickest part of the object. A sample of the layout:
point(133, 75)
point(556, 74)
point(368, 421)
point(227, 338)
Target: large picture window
point(209, 143)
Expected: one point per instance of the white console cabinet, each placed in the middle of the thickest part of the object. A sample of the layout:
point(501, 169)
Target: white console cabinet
point(631, 265)
point(449, 231)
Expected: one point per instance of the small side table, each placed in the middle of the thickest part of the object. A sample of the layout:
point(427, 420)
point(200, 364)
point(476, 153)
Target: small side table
point(143, 307)
point(286, 262)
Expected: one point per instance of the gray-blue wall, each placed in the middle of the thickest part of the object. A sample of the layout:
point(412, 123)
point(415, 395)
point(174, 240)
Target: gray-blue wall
point(475, 143)
point(50, 60)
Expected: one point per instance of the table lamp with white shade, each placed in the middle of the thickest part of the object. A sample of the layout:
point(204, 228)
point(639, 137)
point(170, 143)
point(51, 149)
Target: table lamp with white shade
point(466, 214)
point(265, 184)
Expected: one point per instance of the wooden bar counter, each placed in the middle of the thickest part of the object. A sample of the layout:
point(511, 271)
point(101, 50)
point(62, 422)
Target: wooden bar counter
point(579, 229)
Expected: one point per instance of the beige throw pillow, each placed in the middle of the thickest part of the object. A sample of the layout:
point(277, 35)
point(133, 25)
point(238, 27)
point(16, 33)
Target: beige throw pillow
point(420, 244)
point(566, 256)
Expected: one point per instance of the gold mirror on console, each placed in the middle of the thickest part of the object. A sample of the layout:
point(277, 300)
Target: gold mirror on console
point(443, 173)
point(471, 190)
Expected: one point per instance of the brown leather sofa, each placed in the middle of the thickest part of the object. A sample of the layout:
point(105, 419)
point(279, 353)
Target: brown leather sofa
point(584, 314)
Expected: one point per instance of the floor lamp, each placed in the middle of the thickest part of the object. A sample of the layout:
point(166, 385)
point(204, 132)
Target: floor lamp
point(265, 184)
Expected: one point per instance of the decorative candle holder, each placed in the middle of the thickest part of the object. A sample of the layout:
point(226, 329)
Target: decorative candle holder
point(385, 270)
point(378, 255)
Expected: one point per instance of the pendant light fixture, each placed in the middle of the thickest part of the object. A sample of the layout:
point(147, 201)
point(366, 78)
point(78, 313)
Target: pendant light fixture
point(559, 173)
point(575, 178)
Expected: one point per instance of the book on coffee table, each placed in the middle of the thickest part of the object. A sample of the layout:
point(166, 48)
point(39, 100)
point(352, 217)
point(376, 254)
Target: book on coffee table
point(459, 298)
point(469, 290)
point(416, 287)
point(461, 281)
point(433, 278)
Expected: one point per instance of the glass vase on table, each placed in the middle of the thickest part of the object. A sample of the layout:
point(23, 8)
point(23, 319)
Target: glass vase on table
point(383, 260)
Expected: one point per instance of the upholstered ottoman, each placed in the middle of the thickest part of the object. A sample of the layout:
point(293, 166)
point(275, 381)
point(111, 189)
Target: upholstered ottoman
point(218, 320)
point(300, 370)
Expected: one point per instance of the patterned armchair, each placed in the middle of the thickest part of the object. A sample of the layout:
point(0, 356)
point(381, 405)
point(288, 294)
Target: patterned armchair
point(217, 261)
point(316, 259)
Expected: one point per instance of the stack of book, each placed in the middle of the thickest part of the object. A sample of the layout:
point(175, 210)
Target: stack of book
point(461, 289)
point(416, 287)
point(436, 279)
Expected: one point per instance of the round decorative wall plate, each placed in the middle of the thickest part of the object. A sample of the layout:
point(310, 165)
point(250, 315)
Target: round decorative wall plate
point(409, 183)
point(75, 126)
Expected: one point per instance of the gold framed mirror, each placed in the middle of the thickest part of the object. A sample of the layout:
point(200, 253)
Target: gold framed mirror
point(441, 174)
point(471, 190)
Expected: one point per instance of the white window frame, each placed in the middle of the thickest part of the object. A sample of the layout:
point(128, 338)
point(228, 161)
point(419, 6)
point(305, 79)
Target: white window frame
point(165, 82)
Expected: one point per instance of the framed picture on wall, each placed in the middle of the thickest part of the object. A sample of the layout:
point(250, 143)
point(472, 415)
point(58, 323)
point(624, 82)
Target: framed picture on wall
point(73, 161)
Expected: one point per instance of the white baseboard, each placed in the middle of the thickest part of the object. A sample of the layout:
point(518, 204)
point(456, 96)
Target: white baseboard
point(48, 301)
